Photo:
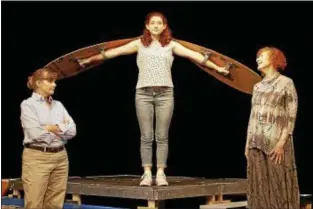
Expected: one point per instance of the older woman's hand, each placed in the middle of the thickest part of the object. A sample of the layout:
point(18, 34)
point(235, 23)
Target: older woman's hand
point(277, 155)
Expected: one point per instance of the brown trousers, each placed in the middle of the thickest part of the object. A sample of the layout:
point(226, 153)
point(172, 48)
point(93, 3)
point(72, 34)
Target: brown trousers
point(44, 177)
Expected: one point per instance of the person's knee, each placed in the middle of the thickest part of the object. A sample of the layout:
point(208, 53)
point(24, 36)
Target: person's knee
point(147, 138)
point(55, 199)
point(33, 199)
point(161, 138)
point(30, 204)
point(52, 204)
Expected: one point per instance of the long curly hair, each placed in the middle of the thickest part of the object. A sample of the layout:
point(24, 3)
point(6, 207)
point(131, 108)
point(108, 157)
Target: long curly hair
point(277, 57)
point(166, 35)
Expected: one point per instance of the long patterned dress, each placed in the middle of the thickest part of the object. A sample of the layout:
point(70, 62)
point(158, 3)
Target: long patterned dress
point(273, 111)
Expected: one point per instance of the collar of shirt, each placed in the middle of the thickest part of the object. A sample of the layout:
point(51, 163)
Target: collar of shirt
point(40, 98)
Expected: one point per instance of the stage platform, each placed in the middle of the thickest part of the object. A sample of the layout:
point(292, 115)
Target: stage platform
point(127, 186)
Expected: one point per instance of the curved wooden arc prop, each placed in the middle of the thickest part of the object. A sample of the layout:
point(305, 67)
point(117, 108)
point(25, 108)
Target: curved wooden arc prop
point(67, 65)
point(4, 187)
point(240, 77)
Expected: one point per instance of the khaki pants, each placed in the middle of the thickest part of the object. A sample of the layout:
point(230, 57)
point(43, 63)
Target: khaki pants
point(44, 177)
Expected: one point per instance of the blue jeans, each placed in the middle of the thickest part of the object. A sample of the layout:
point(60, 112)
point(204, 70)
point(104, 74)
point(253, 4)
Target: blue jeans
point(159, 102)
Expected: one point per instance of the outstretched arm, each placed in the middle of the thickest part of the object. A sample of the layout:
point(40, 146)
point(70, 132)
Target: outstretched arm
point(185, 52)
point(126, 49)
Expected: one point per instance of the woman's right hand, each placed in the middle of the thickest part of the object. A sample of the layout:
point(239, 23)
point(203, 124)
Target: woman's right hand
point(52, 128)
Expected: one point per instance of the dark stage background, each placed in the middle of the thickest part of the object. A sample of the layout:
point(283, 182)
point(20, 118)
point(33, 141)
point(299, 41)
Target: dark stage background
point(208, 130)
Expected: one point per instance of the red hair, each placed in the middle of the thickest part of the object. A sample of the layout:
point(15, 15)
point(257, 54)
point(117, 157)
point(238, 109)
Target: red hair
point(41, 74)
point(166, 35)
point(277, 57)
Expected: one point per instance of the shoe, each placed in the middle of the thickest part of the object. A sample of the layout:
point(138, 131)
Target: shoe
point(146, 179)
point(161, 180)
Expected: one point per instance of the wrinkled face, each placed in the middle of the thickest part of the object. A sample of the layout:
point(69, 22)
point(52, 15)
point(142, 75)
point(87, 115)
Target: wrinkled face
point(264, 60)
point(156, 25)
point(46, 86)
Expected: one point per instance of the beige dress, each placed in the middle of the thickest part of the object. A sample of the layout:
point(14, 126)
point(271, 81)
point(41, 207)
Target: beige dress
point(273, 111)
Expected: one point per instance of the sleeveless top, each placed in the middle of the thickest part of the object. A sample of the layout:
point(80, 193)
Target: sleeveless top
point(154, 63)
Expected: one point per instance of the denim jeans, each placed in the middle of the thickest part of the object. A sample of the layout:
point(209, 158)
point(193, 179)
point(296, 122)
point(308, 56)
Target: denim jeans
point(152, 102)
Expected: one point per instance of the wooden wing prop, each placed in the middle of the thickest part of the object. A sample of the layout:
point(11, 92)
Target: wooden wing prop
point(240, 77)
point(68, 64)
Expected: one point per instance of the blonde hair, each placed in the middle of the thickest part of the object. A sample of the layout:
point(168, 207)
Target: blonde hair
point(40, 74)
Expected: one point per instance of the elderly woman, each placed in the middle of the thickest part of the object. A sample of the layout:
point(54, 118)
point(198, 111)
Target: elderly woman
point(47, 127)
point(271, 167)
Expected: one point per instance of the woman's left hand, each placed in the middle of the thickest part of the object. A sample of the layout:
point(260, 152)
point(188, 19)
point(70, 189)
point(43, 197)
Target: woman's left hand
point(223, 70)
point(277, 155)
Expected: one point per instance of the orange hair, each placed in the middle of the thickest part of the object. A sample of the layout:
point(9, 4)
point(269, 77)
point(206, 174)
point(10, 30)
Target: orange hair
point(166, 35)
point(277, 57)
point(40, 74)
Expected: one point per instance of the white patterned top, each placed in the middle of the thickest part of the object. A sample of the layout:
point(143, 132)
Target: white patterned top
point(155, 63)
